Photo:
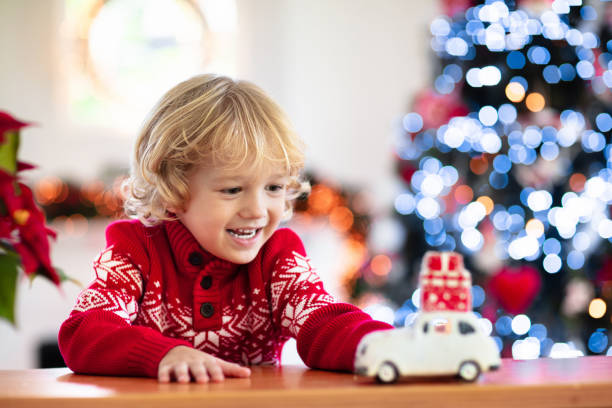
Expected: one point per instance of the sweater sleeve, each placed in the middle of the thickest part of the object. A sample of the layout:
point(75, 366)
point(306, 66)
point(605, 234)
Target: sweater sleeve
point(99, 336)
point(327, 332)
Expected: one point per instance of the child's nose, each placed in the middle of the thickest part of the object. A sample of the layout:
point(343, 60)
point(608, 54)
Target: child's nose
point(254, 206)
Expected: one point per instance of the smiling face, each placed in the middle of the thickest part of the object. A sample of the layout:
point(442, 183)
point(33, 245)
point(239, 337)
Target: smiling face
point(232, 213)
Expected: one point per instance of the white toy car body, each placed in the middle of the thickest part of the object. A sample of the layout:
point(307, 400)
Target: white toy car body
point(437, 343)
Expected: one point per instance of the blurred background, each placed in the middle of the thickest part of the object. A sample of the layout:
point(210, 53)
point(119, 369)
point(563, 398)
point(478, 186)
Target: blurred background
point(481, 127)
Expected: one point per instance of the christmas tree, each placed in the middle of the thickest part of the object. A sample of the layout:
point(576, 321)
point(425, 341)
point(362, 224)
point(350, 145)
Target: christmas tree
point(506, 159)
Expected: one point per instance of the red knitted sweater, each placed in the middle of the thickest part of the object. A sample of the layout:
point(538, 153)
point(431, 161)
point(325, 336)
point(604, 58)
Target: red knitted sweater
point(156, 288)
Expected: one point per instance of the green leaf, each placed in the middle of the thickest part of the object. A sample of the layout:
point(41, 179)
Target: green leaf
point(9, 263)
point(8, 152)
point(66, 278)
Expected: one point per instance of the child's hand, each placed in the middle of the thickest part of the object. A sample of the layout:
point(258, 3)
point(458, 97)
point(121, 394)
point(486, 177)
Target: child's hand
point(181, 361)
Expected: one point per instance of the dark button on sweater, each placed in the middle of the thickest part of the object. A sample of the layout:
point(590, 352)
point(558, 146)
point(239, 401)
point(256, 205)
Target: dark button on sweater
point(207, 310)
point(206, 282)
point(196, 259)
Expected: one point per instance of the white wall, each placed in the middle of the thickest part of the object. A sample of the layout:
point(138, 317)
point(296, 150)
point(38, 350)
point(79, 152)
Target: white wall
point(344, 70)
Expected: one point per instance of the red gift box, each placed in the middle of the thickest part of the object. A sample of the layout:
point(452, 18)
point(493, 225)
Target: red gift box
point(445, 283)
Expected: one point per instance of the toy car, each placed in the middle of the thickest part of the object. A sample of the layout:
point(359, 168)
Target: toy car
point(437, 343)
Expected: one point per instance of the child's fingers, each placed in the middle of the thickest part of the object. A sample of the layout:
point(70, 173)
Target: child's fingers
point(163, 374)
point(214, 370)
point(199, 373)
point(181, 372)
point(234, 370)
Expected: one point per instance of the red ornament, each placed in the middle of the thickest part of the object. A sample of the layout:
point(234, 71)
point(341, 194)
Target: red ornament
point(407, 170)
point(454, 7)
point(445, 283)
point(437, 109)
point(515, 288)
point(605, 272)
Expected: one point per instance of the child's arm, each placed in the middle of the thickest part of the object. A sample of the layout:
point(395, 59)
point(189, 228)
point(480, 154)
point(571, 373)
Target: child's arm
point(327, 332)
point(99, 337)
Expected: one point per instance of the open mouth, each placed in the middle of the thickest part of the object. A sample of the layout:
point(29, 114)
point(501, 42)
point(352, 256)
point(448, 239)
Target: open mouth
point(244, 233)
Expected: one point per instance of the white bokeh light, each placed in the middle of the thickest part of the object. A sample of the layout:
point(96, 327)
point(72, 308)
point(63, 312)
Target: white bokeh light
point(521, 324)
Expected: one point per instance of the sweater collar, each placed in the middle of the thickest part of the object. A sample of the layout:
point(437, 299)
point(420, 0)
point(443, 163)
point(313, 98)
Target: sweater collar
point(189, 255)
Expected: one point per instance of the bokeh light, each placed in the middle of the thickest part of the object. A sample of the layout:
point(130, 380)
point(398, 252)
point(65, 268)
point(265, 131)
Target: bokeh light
point(535, 102)
point(515, 92)
point(597, 308)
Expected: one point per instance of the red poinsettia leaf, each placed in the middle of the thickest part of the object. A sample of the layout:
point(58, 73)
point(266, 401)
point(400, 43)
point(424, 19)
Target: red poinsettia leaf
point(34, 235)
point(8, 122)
point(29, 262)
point(21, 166)
point(51, 233)
point(6, 227)
point(5, 176)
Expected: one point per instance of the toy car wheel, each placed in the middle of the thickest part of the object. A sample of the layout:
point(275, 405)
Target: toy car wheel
point(469, 371)
point(387, 373)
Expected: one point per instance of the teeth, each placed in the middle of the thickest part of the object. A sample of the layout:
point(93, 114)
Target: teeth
point(243, 233)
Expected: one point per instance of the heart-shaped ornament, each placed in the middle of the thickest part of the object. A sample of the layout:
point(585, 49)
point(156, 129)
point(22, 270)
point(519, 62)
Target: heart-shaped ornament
point(515, 288)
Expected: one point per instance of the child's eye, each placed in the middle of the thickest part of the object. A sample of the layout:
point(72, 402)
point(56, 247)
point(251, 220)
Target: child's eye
point(231, 191)
point(275, 188)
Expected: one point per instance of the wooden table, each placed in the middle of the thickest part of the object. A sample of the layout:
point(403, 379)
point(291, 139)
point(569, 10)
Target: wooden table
point(578, 382)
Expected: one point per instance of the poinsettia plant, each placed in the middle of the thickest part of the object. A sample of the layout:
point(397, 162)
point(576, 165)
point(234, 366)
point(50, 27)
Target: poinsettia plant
point(24, 236)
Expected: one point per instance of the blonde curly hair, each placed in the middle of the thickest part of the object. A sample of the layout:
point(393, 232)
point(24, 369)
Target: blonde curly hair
point(212, 120)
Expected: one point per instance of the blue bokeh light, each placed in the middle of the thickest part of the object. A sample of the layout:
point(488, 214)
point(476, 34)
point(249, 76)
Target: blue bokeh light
point(502, 220)
point(498, 180)
point(575, 260)
point(567, 71)
point(478, 296)
point(454, 71)
point(585, 69)
point(551, 246)
point(521, 80)
point(433, 226)
point(515, 60)
point(532, 136)
point(590, 40)
point(598, 341)
point(549, 151)
point(457, 47)
point(574, 37)
point(551, 74)
point(444, 84)
point(440, 27)
point(593, 141)
point(588, 13)
point(538, 331)
point(507, 114)
point(503, 325)
point(524, 195)
point(473, 27)
point(449, 175)
point(538, 55)
point(405, 203)
point(502, 163)
point(412, 122)
point(604, 122)
point(549, 134)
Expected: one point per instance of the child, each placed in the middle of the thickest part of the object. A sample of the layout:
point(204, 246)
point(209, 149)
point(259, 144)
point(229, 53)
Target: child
point(202, 282)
